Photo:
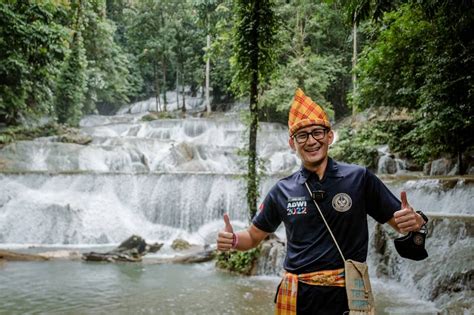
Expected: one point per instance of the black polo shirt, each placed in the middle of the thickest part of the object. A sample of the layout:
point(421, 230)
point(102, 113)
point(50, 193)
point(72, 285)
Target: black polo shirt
point(351, 192)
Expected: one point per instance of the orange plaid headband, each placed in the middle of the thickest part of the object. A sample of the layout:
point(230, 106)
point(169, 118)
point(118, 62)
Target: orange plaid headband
point(304, 112)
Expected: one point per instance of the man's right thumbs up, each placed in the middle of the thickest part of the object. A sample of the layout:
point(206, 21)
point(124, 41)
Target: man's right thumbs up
point(228, 226)
point(226, 239)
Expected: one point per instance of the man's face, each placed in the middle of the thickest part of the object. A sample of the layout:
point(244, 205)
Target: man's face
point(311, 151)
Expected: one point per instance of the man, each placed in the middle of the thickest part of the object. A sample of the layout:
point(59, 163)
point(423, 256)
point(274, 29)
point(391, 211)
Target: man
point(345, 194)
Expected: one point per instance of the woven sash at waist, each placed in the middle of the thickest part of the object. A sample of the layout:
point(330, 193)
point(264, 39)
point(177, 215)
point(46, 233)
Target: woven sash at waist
point(288, 290)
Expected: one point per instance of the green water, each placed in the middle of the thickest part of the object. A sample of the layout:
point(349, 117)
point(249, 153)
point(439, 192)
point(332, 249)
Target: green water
point(66, 287)
point(74, 287)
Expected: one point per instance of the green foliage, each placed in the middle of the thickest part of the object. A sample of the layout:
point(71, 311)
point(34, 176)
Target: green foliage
point(389, 70)
point(422, 59)
point(238, 261)
point(71, 88)
point(151, 36)
point(359, 10)
point(360, 145)
point(356, 147)
point(32, 45)
point(188, 52)
point(446, 114)
point(255, 40)
point(418, 56)
point(110, 78)
point(311, 57)
point(220, 54)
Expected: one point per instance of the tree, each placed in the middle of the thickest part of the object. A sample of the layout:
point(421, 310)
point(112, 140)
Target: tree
point(310, 57)
point(446, 98)
point(151, 36)
point(110, 78)
point(220, 55)
point(72, 82)
point(255, 30)
point(31, 49)
point(358, 11)
point(188, 52)
point(422, 60)
point(206, 18)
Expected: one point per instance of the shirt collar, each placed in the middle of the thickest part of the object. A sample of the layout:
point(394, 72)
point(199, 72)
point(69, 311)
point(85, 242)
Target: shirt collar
point(332, 170)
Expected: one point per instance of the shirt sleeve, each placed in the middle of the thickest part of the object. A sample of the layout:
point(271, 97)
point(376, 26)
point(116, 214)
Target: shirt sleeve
point(380, 201)
point(268, 218)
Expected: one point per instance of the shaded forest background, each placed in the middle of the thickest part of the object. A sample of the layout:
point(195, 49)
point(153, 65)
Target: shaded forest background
point(63, 59)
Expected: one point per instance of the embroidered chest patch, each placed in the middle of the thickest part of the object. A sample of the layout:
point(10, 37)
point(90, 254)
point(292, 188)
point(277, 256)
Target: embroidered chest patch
point(296, 205)
point(341, 202)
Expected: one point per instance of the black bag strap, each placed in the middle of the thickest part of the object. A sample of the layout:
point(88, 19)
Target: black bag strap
point(326, 223)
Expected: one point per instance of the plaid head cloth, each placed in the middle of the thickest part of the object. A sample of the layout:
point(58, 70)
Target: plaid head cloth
point(304, 112)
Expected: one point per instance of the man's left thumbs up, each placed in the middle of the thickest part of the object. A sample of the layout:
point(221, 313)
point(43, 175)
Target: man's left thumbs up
point(406, 218)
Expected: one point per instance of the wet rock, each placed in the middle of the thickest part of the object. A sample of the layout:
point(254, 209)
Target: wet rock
point(199, 257)
point(272, 255)
point(62, 254)
point(180, 244)
point(380, 243)
point(387, 165)
point(132, 250)
point(470, 170)
point(441, 167)
point(457, 282)
point(380, 239)
point(195, 254)
point(427, 168)
point(15, 256)
point(73, 135)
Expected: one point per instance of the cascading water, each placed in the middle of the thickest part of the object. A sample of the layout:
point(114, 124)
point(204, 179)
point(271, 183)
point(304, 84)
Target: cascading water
point(159, 179)
point(387, 163)
point(174, 178)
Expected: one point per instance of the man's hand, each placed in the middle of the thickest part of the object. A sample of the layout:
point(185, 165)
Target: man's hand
point(406, 219)
point(226, 236)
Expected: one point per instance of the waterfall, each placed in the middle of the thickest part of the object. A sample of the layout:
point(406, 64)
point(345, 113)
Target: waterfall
point(160, 179)
point(387, 163)
point(173, 178)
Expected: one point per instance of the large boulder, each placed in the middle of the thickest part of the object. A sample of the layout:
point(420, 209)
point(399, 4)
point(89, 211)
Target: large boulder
point(441, 167)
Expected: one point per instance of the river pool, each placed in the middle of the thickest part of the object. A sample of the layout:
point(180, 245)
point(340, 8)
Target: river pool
point(76, 287)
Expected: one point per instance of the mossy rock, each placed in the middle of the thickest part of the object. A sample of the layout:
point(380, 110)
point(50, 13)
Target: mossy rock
point(64, 134)
point(180, 244)
point(157, 115)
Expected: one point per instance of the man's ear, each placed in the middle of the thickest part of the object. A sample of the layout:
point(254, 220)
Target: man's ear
point(291, 142)
point(330, 137)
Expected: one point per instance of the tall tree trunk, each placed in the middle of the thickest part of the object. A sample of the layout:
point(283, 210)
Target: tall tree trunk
point(252, 181)
point(208, 67)
point(460, 162)
point(163, 67)
point(157, 87)
point(177, 88)
point(208, 70)
point(183, 109)
point(354, 62)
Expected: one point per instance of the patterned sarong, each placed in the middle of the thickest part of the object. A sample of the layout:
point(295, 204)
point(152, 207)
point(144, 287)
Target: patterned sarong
point(288, 291)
